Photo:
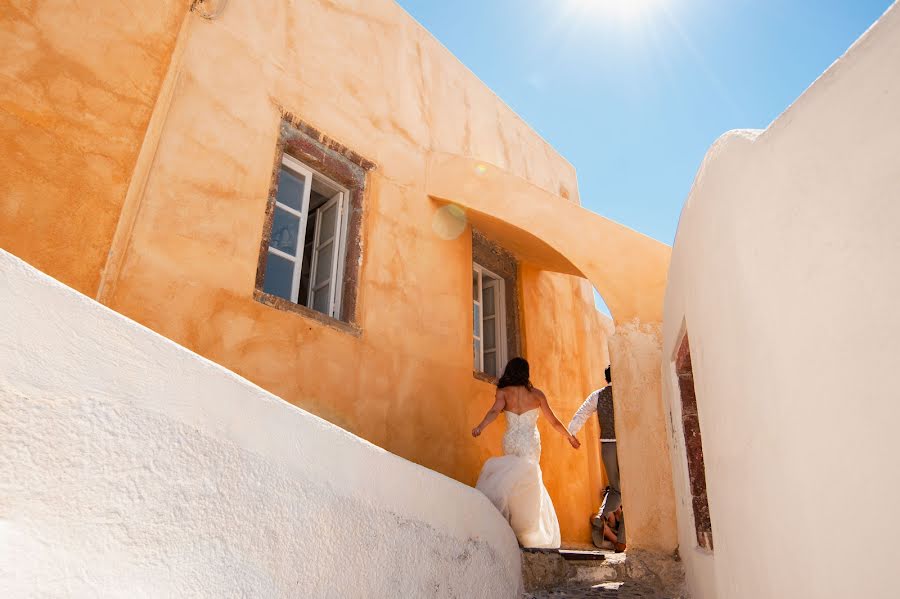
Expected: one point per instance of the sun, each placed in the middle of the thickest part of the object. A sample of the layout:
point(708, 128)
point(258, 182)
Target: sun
point(620, 10)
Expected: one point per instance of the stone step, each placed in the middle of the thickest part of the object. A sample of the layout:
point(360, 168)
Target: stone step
point(572, 554)
point(572, 573)
point(544, 569)
point(582, 555)
point(605, 590)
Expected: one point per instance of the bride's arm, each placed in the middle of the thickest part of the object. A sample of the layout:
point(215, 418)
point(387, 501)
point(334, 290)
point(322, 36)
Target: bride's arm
point(499, 404)
point(554, 421)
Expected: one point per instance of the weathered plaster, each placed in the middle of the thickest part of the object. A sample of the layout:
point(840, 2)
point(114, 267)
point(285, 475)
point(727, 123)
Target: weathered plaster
point(641, 432)
point(405, 383)
point(629, 270)
point(185, 262)
point(559, 351)
point(79, 85)
point(130, 466)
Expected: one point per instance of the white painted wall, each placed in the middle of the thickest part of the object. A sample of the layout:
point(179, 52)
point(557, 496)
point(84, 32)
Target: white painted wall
point(786, 270)
point(131, 467)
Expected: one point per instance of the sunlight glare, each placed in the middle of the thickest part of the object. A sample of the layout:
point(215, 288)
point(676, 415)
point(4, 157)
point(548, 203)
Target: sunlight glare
point(620, 10)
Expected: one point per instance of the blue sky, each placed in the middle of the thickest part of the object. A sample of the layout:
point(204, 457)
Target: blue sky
point(634, 97)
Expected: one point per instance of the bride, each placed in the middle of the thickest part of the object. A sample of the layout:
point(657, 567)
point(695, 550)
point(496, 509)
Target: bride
point(513, 481)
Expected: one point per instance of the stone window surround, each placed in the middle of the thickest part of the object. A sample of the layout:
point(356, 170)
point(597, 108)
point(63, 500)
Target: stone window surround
point(307, 144)
point(693, 445)
point(504, 264)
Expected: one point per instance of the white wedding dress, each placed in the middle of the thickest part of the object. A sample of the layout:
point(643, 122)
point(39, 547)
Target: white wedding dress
point(514, 483)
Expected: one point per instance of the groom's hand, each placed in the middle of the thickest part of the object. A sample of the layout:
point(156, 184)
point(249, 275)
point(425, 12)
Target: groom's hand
point(476, 431)
point(574, 441)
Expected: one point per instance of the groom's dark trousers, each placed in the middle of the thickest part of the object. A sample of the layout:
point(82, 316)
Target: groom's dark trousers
point(613, 497)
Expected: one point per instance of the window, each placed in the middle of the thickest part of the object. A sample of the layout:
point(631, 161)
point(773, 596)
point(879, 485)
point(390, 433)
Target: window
point(489, 318)
point(495, 307)
point(311, 248)
point(305, 256)
point(693, 444)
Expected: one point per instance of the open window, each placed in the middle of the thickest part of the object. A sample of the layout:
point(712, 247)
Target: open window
point(489, 318)
point(307, 242)
point(495, 307)
point(311, 247)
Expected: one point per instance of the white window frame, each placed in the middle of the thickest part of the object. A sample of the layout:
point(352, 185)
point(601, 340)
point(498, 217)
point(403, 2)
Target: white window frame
point(342, 197)
point(499, 318)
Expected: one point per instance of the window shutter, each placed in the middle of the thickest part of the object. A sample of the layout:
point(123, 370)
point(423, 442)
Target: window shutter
point(326, 252)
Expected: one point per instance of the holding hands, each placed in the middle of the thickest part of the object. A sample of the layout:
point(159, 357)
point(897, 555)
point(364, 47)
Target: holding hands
point(573, 440)
point(524, 396)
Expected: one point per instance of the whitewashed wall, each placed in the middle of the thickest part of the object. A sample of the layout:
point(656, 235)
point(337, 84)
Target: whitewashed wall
point(786, 271)
point(131, 467)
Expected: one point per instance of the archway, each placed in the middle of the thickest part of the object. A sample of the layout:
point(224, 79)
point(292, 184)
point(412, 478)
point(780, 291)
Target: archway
point(629, 270)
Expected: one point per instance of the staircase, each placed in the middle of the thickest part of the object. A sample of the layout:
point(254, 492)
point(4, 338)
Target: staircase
point(576, 573)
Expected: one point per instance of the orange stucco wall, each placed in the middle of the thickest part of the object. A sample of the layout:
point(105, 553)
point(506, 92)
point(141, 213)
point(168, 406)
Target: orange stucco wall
point(78, 86)
point(566, 360)
point(368, 76)
point(629, 269)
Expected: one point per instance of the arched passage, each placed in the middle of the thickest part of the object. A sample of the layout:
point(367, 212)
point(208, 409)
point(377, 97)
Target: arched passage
point(629, 270)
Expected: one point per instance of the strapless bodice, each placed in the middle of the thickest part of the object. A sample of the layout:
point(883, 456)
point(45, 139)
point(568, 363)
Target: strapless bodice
point(522, 437)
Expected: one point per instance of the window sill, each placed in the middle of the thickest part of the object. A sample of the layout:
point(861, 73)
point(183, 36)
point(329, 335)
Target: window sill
point(485, 377)
point(279, 303)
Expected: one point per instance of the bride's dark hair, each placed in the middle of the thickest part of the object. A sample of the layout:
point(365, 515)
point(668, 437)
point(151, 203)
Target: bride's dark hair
point(516, 374)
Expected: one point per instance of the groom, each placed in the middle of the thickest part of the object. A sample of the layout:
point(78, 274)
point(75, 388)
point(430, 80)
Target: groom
point(601, 401)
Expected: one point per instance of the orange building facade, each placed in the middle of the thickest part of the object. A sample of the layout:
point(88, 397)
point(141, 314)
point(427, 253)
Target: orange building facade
point(322, 199)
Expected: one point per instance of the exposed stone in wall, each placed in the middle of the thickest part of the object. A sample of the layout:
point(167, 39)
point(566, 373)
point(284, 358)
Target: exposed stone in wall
point(693, 443)
point(334, 160)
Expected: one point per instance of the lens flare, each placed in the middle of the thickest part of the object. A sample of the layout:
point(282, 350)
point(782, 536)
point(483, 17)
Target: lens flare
point(449, 222)
point(480, 169)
